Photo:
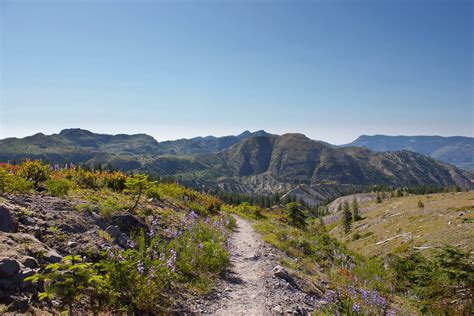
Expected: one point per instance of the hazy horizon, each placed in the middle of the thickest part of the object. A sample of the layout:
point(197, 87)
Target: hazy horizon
point(236, 134)
point(330, 70)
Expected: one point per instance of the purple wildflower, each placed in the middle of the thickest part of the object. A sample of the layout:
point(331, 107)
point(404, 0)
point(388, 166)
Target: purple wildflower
point(201, 245)
point(193, 216)
point(171, 263)
point(130, 243)
point(331, 296)
point(140, 267)
point(356, 307)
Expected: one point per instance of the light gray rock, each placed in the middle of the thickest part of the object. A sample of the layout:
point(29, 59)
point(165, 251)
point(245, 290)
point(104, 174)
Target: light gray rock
point(280, 272)
point(53, 256)
point(71, 244)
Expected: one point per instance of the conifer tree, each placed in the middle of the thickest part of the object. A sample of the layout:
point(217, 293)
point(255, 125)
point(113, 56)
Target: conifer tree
point(347, 218)
point(379, 198)
point(355, 210)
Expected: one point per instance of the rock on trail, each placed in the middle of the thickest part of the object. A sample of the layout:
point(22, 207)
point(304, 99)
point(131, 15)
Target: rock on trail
point(256, 284)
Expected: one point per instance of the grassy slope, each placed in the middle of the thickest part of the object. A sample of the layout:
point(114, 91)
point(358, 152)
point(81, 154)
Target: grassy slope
point(446, 218)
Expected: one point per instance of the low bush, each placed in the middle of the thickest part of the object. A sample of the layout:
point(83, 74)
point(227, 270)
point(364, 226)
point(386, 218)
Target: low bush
point(12, 183)
point(71, 281)
point(435, 283)
point(59, 188)
point(34, 171)
point(110, 206)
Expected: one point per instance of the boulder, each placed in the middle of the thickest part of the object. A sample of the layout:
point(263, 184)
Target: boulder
point(128, 223)
point(29, 262)
point(7, 222)
point(53, 256)
point(8, 267)
point(280, 272)
point(17, 304)
point(23, 275)
point(71, 244)
point(113, 231)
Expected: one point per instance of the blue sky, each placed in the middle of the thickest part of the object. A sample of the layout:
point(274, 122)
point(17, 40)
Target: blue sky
point(329, 69)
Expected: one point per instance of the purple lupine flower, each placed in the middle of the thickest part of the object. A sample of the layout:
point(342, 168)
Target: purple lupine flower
point(151, 275)
point(356, 307)
point(201, 245)
point(162, 257)
point(352, 292)
point(365, 295)
point(110, 254)
point(154, 222)
point(151, 233)
point(140, 267)
point(171, 263)
point(331, 296)
point(193, 216)
point(208, 220)
point(130, 243)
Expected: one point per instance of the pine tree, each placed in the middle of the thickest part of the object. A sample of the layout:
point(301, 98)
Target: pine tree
point(347, 218)
point(355, 210)
point(297, 214)
point(379, 198)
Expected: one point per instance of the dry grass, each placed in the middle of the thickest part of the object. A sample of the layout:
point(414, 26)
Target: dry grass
point(397, 224)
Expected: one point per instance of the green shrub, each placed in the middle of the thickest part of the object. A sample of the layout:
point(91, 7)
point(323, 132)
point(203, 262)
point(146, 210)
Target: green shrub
point(136, 186)
point(71, 281)
point(437, 281)
point(420, 204)
point(113, 180)
point(153, 192)
point(34, 171)
point(110, 206)
point(85, 179)
point(59, 188)
point(15, 184)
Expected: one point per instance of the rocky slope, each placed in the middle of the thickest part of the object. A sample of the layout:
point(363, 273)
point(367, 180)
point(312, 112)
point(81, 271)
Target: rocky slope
point(37, 230)
point(294, 159)
point(456, 150)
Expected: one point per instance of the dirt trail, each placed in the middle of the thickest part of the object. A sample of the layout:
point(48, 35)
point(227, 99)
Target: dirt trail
point(251, 286)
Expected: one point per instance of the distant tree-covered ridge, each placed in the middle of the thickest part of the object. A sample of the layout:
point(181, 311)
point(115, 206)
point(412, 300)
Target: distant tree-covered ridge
point(249, 163)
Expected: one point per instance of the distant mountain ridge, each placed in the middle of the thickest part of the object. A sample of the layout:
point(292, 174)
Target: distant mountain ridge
point(256, 162)
point(456, 150)
point(204, 145)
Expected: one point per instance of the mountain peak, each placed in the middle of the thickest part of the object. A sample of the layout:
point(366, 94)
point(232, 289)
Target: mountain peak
point(244, 134)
